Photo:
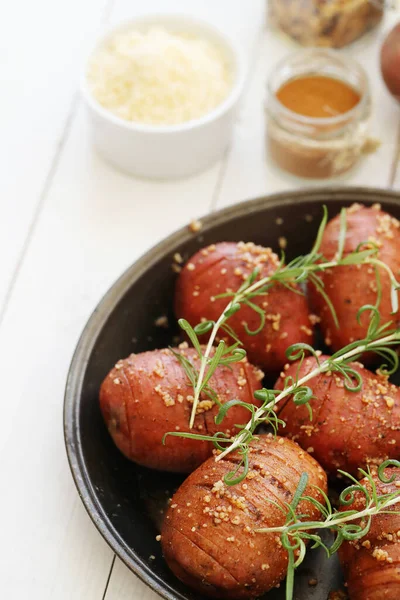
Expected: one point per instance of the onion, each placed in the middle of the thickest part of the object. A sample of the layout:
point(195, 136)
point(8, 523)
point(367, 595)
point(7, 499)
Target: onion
point(390, 62)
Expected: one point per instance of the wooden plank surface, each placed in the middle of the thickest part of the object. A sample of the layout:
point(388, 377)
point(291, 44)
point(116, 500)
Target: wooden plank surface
point(41, 48)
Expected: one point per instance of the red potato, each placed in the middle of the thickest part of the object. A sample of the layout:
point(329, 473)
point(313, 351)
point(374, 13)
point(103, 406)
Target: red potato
point(223, 267)
point(147, 395)
point(348, 429)
point(352, 286)
point(208, 536)
point(390, 61)
point(372, 564)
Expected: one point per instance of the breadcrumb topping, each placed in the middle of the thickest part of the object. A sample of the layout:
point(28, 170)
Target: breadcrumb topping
point(195, 225)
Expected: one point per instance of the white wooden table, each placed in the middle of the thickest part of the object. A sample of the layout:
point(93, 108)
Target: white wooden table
point(69, 225)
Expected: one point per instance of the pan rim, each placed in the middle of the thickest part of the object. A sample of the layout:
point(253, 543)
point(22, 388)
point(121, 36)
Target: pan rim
point(105, 307)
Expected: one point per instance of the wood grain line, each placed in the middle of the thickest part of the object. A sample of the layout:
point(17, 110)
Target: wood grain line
point(252, 71)
point(36, 214)
point(219, 181)
point(108, 578)
point(48, 181)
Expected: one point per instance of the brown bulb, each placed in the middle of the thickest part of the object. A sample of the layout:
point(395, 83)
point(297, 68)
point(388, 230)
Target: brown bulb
point(390, 62)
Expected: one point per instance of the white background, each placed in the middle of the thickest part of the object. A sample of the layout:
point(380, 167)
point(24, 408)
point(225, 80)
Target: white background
point(69, 225)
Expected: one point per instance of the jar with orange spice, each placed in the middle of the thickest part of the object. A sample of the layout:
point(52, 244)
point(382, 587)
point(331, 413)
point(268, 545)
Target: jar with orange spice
point(318, 108)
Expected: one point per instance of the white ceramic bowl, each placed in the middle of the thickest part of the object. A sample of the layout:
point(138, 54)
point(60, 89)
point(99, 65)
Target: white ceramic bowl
point(167, 151)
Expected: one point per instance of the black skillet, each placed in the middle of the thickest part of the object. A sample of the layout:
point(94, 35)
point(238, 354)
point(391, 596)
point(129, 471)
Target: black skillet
point(124, 501)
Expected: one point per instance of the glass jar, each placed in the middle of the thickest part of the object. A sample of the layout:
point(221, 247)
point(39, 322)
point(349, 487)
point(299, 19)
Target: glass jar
point(317, 147)
point(328, 23)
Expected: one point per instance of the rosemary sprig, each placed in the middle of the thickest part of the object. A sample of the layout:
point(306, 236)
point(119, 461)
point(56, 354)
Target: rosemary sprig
point(346, 525)
point(295, 272)
point(220, 439)
point(379, 339)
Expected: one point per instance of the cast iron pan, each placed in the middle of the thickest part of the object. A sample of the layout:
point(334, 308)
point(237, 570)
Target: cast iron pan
point(125, 501)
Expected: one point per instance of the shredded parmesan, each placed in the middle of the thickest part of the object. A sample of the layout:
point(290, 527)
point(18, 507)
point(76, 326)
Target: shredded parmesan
point(158, 77)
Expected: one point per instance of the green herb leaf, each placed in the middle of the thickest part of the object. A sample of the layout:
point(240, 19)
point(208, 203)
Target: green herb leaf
point(188, 329)
point(203, 328)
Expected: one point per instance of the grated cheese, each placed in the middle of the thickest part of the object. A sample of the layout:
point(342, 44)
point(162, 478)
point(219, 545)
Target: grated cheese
point(157, 77)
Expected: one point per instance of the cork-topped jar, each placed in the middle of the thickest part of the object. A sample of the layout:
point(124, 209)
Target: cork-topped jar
point(328, 23)
point(317, 109)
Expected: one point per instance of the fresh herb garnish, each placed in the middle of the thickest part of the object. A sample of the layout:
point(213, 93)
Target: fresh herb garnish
point(297, 271)
point(346, 525)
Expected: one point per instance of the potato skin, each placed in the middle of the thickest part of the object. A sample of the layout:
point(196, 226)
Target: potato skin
point(372, 564)
point(348, 429)
point(390, 61)
point(208, 537)
point(350, 287)
point(145, 396)
point(224, 266)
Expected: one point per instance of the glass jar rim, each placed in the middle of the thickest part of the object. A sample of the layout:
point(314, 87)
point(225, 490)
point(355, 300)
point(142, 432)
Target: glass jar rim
point(332, 55)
